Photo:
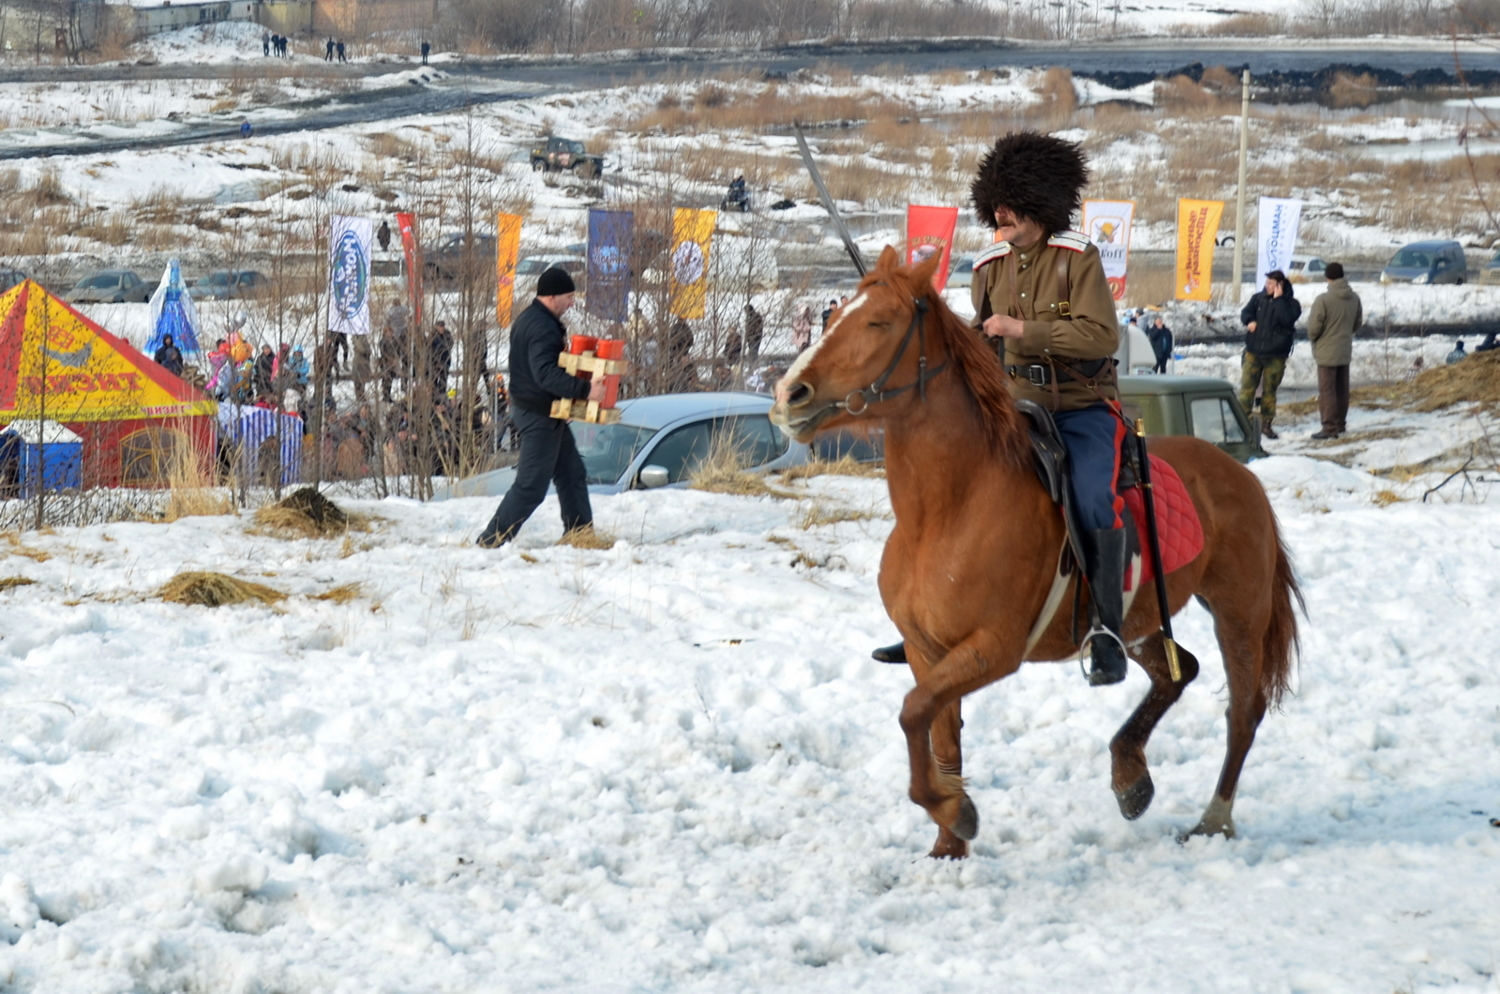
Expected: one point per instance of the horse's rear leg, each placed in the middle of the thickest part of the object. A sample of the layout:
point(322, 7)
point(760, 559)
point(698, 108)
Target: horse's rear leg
point(1131, 779)
point(1247, 706)
point(947, 749)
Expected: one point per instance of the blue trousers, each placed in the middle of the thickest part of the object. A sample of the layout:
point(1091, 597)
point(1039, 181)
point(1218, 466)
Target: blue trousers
point(1093, 436)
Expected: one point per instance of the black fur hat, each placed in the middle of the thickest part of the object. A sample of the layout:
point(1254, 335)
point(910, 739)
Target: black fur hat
point(1035, 175)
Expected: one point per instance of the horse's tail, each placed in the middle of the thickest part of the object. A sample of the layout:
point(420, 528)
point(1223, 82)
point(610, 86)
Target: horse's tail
point(1282, 641)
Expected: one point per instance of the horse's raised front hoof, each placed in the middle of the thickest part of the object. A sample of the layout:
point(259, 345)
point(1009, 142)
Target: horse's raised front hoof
point(966, 825)
point(1135, 799)
point(949, 846)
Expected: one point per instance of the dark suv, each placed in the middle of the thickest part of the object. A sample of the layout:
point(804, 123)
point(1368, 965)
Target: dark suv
point(460, 255)
point(557, 154)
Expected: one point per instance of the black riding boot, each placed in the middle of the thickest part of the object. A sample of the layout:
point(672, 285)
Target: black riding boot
point(890, 653)
point(1107, 551)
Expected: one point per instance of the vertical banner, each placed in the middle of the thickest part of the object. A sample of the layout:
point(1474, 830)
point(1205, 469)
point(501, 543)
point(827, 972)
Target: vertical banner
point(611, 234)
point(349, 274)
point(929, 232)
point(507, 254)
point(691, 232)
point(406, 224)
point(1278, 236)
point(1197, 224)
point(1108, 223)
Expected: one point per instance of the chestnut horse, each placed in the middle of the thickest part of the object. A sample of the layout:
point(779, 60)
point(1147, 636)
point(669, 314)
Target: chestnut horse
point(970, 565)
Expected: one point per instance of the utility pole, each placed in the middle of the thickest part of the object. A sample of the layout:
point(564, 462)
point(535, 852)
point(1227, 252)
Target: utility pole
point(1239, 217)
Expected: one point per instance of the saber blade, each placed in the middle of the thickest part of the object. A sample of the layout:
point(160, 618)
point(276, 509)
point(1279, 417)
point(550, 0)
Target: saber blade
point(828, 205)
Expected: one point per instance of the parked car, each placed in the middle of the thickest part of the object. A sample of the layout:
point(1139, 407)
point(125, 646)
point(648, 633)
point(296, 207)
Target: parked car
point(531, 267)
point(1490, 271)
point(1305, 269)
point(460, 254)
point(557, 154)
point(1191, 405)
point(110, 286)
point(1427, 262)
point(230, 284)
point(962, 272)
point(659, 441)
point(10, 278)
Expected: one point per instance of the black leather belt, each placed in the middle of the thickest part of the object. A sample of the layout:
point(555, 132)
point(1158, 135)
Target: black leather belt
point(1039, 374)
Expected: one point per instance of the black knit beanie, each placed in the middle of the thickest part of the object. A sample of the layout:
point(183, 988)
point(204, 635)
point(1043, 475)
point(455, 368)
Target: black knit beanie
point(554, 282)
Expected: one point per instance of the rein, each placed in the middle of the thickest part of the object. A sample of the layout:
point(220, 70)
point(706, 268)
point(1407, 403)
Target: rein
point(876, 392)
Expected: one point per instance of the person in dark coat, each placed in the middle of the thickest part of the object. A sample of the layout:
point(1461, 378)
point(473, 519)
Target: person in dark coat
point(440, 357)
point(264, 373)
point(1270, 320)
point(383, 235)
point(169, 357)
point(548, 452)
point(426, 47)
point(1161, 343)
point(328, 51)
point(339, 48)
point(755, 330)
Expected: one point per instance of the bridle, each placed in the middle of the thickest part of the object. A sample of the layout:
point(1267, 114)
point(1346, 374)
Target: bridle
point(876, 392)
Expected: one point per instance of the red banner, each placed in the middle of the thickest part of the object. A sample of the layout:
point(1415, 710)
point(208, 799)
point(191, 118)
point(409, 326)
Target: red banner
point(407, 224)
point(929, 230)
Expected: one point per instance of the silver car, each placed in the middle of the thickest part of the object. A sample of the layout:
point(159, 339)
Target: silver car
point(110, 286)
point(659, 441)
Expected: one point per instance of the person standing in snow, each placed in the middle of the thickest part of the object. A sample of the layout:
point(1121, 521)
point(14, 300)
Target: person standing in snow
point(383, 236)
point(1458, 354)
point(265, 43)
point(328, 51)
point(1336, 315)
point(802, 328)
point(1270, 320)
point(339, 48)
point(548, 452)
point(1160, 337)
point(440, 357)
point(426, 47)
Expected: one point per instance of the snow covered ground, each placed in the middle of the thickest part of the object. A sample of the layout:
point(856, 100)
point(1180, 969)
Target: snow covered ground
point(671, 766)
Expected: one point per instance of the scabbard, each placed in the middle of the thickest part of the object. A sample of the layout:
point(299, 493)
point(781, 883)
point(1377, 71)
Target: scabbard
point(1153, 545)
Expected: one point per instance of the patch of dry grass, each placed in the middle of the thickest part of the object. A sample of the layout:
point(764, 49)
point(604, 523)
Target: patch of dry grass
point(18, 548)
point(1475, 380)
point(587, 537)
point(725, 471)
point(11, 582)
point(819, 512)
point(306, 513)
point(216, 590)
point(1385, 498)
point(342, 594)
point(843, 466)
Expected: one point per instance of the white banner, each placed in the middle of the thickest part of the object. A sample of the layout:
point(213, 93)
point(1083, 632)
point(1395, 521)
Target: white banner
point(349, 274)
point(1278, 236)
point(1107, 223)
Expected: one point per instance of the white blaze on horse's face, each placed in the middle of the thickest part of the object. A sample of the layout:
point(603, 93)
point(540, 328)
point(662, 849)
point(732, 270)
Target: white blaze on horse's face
point(810, 353)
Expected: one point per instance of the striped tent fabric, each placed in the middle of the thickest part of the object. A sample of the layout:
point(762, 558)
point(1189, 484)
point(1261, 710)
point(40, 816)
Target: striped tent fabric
point(264, 441)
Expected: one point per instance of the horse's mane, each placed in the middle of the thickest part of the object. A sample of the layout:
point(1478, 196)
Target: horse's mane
point(980, 372)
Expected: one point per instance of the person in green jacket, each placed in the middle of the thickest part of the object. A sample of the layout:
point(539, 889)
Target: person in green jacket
point(1336, 315)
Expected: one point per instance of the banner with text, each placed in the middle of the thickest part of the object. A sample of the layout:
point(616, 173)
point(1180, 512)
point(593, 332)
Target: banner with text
point(507, 254)
point(611, 234)
point(349, 274)
point(691, 233)
point(1107, 223)
point(406, 224)
point(1197, 225)
point(929, 232)
point(1278, 236)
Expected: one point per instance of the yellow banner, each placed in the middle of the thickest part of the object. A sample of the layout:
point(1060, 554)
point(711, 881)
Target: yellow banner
point(691, 233)
point(58, 365)
point(507, 253)
point(1197, 225)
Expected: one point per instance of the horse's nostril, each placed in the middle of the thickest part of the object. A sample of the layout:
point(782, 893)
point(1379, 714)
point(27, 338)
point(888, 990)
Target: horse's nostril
point(798, 393)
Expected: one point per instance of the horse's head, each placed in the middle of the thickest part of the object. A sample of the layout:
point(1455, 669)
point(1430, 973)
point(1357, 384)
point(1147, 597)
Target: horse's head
point(874, 349)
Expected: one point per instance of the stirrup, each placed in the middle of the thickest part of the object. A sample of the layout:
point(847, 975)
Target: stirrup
point(1103, 677)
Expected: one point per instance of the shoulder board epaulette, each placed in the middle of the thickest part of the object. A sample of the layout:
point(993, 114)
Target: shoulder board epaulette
point(997, 250)
point(1075, 241)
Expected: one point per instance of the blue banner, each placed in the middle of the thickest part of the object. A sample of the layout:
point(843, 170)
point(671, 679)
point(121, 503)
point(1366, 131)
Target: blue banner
point(611, 236)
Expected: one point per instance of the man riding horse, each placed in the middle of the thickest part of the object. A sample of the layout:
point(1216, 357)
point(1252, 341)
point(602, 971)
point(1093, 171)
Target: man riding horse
point(1040, 294)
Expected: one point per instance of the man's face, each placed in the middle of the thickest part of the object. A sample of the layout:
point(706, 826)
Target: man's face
point(557, 304)
point(1016, 228)
point(1271, 285)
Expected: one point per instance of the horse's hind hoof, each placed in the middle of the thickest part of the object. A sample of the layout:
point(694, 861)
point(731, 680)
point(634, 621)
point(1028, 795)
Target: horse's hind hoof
point(966, 825)
point(1135, 799)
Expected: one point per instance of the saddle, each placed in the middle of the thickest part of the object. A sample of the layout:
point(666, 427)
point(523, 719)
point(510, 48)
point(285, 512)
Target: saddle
point(1177, 525)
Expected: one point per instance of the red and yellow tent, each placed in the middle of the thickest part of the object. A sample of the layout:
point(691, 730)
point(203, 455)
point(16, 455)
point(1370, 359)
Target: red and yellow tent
point(135, 418)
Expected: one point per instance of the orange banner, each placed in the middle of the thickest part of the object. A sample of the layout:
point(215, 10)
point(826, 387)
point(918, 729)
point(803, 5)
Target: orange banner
point(507, 254)
point(691, 233)
point(1197, 225)
point(929, 231)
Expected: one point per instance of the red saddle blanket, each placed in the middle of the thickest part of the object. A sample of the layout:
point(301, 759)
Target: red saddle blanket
point(1177, 523)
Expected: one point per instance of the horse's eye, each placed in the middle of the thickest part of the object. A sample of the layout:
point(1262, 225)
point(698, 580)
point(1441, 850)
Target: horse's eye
point(883, 325)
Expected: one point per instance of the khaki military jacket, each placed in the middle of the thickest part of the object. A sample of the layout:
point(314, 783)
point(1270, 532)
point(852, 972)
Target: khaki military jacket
point(1069, 327)
point(1335, 317)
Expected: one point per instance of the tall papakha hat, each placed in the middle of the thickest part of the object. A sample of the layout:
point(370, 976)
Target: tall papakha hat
point(1037, 176)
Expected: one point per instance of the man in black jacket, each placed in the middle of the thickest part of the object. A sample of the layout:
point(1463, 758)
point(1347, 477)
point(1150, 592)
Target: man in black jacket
point(1270, 321)
point(547, 450)
point(169, 357)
